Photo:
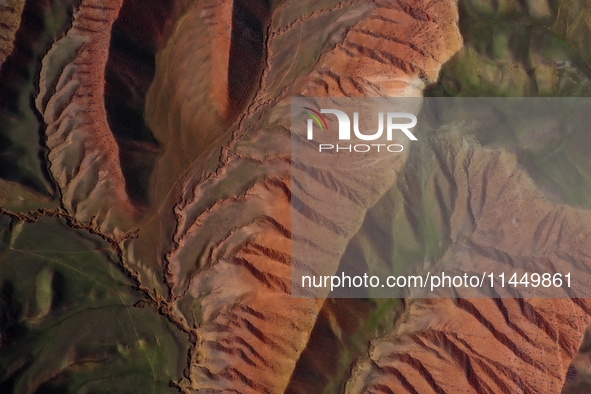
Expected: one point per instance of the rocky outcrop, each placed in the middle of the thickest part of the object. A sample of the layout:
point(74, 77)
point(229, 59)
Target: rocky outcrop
point(498, 218)
point(176, 124)
point(10, 15)
point(228, 270)
point(83, 153)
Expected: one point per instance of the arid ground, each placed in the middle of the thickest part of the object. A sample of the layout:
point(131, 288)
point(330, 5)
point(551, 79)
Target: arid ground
point(148, 189)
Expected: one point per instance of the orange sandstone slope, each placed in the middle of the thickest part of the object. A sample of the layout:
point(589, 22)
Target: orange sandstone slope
point(213, 204)
point(393, 52)
point(83, 153)
point(498, 219)
point(250, 333)
point(91, 90)
point(228, 268)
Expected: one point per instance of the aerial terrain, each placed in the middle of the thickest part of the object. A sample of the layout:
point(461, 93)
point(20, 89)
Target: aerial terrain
point(148, 189)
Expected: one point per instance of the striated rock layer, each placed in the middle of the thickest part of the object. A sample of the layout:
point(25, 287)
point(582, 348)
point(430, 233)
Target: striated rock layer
point(498, 217)
point(91, 95)
point(228, 270)
point(209, 180)
point(83, 153)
